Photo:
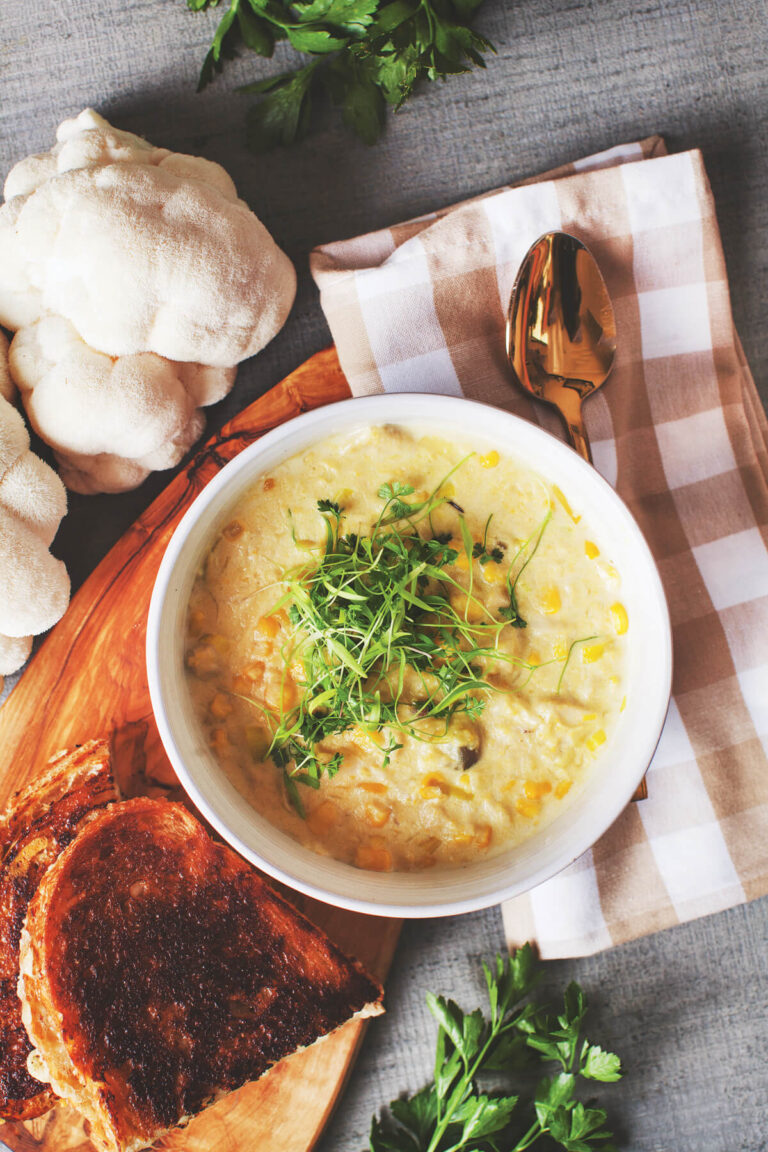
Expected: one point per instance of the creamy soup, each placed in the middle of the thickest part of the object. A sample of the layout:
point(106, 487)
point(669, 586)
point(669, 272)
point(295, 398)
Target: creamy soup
point(405, 652)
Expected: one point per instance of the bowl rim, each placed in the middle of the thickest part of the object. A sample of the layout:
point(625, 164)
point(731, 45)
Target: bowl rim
point(370, 412)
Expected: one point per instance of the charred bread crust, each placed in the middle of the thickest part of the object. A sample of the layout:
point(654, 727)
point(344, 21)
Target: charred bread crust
point(39, 823)
point(160, 971)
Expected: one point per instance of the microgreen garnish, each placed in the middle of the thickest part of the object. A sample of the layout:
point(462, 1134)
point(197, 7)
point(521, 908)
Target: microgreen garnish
point(387, 637)
point(480, 549)
point(581, 640)
point(453, 1114)
point(511, 611)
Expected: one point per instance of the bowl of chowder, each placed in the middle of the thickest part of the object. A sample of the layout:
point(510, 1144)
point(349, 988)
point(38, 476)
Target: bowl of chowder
point(409, 654)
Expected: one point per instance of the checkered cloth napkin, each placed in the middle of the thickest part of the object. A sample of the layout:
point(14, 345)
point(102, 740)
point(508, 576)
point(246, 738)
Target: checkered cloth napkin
point(678, 430)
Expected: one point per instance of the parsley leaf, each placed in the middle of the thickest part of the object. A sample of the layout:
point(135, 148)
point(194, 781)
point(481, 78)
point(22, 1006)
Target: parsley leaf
point(369, 53)
point(285, 116)
point(454, 1113)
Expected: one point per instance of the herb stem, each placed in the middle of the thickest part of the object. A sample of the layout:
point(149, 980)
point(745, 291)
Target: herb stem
point(530, 1137)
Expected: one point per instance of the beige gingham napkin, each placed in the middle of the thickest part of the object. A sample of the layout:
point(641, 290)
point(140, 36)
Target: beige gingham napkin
point(678, 430)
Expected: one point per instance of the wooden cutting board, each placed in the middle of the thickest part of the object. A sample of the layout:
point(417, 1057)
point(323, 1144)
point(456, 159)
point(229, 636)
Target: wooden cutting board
point(89, 678)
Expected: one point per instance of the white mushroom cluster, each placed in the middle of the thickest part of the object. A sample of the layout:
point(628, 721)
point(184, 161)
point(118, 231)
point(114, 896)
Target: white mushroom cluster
point(34, 586)
point(135, 281)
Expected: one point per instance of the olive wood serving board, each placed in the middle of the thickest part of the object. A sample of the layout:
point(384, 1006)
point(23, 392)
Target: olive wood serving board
point(88, 679)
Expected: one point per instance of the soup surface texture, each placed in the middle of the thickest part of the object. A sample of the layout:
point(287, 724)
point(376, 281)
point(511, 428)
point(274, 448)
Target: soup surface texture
point(406, 652)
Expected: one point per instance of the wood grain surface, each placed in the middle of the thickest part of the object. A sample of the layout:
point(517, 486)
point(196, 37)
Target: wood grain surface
point(88, 679)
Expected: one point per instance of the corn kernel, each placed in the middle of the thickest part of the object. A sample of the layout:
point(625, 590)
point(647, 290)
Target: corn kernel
point(377, 815)
point(561, 497)
point(462, 838)
point(220, 707)
point(592, 652)
point(196, 621)
point(596, 739)
point(623, 704)
point(535, 789)
point(232, 530)
point(528, 808)
point(620, 618)
point(591, 549)
point(219, 740)
point(562, 789)
point(434, 786)
point(550, 602)
point(489, 459)
point(448, 490)
point(462, 562)
point(483, 836)
point(268, 626)
point(493, 573)
point(373, 859)
point(367, 740)
point(254, 671)
point(374, 787)
point(321, 819)
point(559, 650)
point(343, 496)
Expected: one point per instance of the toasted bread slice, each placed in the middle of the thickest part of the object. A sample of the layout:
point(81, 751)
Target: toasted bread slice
point(160, 971)
point(39, 823)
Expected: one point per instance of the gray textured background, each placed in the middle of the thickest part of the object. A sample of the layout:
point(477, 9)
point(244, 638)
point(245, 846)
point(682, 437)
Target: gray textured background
point(687, 1009)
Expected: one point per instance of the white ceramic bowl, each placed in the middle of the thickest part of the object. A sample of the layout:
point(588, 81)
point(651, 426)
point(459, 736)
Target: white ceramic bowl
point(618, 770)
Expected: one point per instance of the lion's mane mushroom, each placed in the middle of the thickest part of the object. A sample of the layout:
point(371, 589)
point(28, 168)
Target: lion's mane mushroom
point(34, 586)
point(136, 281)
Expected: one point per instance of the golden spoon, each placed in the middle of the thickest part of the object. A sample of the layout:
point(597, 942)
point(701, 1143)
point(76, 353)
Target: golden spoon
point(561, 330)
point(561, 335)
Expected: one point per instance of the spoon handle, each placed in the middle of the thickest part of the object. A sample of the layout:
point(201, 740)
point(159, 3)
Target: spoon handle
point(577, 434)
point(565, 395)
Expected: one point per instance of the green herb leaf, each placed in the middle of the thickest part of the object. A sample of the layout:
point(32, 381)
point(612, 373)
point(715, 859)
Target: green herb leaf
point(284, 114)
point(453, 1115)
point(351, 16)
point(256, 32)
point(552, 1093)
point(371, 52)
point(600, 1065)
point(222, 47)
point(418, 1114)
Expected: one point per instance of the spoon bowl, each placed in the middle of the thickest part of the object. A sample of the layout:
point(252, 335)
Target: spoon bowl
point(561, 329)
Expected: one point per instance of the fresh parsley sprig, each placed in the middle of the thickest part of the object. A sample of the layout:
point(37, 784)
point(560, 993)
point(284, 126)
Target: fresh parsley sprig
point(454, 1114)
point(367, 54)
